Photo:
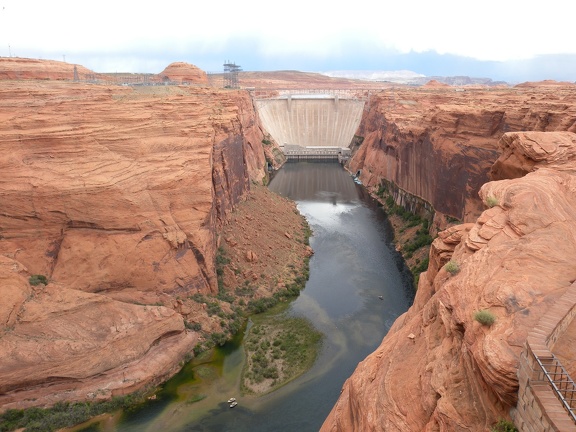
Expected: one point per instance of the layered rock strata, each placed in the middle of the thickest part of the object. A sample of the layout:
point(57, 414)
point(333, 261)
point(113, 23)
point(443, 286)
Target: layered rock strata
point(439, 143)
point(115, 194)
point(439, 368)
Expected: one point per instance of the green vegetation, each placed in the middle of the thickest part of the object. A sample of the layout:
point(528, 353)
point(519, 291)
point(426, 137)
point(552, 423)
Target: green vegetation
point(504, 426)
point(221, 261)
point(422, 238)
point(485, 317)
point(491, 201)
point(64, 414)
point(452, 267)
point(451, 219)
point(38, 279)
point(193, 326)
point(278, 349)
point(422, 266)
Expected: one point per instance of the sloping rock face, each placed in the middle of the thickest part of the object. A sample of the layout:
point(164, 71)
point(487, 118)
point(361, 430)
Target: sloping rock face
point(116, 195)
point(439, 143)
point(439, 369)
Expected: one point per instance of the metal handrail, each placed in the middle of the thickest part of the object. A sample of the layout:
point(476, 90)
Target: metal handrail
point(564, 378)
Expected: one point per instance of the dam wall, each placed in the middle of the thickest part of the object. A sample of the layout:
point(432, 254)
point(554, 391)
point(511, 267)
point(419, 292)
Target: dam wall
point(309, 121)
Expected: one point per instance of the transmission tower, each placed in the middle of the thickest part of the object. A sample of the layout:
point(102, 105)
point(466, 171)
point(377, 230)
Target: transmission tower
point(231, 75)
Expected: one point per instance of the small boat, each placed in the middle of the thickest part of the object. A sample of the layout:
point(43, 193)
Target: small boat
point(231, 400)
point(233, 404)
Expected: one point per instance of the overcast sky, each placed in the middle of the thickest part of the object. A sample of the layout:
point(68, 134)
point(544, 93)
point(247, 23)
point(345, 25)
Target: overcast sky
point(500, 39)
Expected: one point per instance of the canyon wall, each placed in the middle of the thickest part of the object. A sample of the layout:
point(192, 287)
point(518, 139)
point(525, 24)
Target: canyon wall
point(439, 142)
point(116, 195)
point(439, 369)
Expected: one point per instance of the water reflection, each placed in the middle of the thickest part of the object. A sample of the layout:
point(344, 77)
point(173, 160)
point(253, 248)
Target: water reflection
point(314, 181)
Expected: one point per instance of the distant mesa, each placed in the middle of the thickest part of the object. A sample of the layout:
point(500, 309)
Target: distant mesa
point(16, 68)
point(551, 83)
point(185, 72)
point(27, 68)
point(436, 84)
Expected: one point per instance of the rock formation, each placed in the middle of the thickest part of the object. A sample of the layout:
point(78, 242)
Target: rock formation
point(439, 143)
point(185, 72)
point(116, 195)
point(440, 369)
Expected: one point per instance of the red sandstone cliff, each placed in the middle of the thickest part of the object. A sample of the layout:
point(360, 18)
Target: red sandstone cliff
point(116, 195)
point(440, 370)
point(439, 143)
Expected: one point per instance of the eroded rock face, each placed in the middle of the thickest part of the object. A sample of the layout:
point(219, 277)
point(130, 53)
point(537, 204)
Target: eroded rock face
point(439, 143)
point(523, 152)
point(440, 369)
point(116, 195)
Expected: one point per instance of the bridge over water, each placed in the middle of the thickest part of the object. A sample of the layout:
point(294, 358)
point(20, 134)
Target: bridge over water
point(311, 124)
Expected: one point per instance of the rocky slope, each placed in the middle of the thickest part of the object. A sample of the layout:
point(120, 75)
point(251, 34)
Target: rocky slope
point(116, 195)
point(439, 369)
point(439, 142)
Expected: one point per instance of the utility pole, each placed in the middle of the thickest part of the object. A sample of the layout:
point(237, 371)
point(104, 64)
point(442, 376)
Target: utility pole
point(64, 57)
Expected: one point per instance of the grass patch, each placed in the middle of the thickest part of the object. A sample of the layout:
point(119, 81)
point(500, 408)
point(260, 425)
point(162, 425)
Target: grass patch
point(278, 349)
point(64, 414)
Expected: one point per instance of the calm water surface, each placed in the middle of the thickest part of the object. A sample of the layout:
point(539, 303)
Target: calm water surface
point(353, 265)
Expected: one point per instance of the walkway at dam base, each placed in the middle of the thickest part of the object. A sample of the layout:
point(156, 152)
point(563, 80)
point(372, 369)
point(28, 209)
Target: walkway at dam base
point(296, 153)
point(547, 394)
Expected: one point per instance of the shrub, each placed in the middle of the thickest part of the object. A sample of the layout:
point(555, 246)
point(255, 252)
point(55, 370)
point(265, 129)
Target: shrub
point(452, 267)
point(38, 279)
point(485, 317)
point(422, 266)
point(491, 201)
point(504, 426)
point(193, 325)
point(422, 239)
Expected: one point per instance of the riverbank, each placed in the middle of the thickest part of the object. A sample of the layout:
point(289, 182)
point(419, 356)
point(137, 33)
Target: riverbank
point(262, 259)
point(412, 237)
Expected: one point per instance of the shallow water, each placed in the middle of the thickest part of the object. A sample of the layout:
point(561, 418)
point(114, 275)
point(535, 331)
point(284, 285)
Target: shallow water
point(358, 286)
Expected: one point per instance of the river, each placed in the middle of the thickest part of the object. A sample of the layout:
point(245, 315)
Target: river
point(358, 286)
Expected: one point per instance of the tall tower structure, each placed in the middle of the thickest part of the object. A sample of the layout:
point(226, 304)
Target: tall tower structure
point(231, 75)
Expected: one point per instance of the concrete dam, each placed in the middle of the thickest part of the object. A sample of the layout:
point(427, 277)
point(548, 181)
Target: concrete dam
point(311, 124)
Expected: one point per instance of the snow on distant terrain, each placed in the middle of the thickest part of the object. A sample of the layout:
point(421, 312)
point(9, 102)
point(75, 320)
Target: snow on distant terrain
point(394, 76)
